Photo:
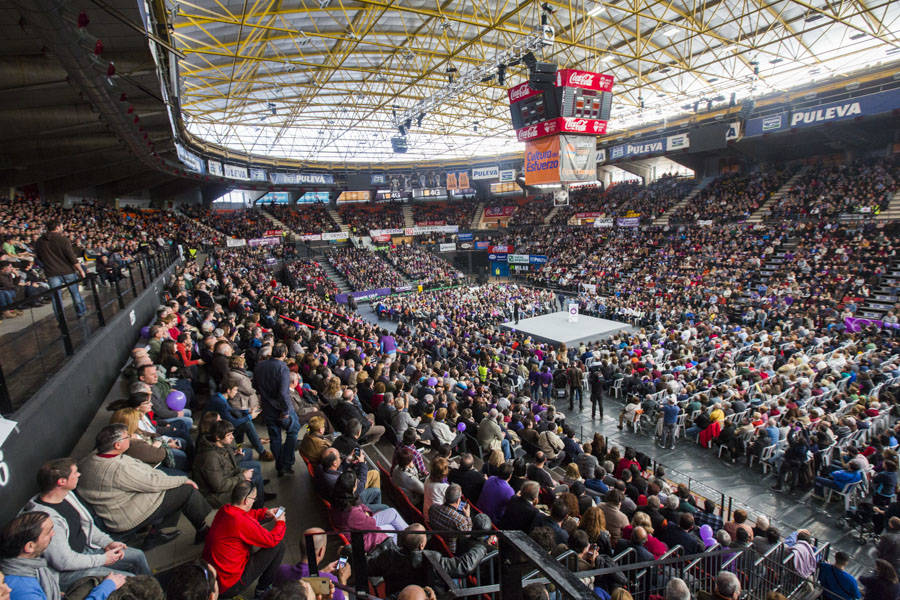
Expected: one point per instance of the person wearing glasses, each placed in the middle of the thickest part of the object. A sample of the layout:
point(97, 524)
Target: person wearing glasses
point(128, 494)
point(235, 532)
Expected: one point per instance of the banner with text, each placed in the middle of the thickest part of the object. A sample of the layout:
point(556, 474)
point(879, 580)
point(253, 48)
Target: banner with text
point(485, 173)
point(447, 247)
point(542, 161)
point(577, 158)
point(266, 241)
point(493, 212)
point(507, 175)
point(302, 178)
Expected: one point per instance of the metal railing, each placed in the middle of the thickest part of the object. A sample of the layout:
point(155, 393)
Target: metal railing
point(51, 331)
point(518, 562)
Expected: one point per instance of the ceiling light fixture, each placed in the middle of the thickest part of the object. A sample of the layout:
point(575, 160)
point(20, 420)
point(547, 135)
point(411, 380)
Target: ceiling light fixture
point(596, 10)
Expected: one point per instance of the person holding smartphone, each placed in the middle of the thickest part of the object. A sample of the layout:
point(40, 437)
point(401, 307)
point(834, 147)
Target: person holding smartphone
point(452, 515)
point(337, 571)
point(235, 531)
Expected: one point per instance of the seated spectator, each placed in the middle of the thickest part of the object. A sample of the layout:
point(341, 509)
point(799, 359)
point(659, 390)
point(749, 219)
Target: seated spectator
point(78, 548)
point(470, 480)
point(22, 544)
point(129, 495)
point(314, 442)
point(408, 562)
point(681, 533)
point(196, 580)
point(453, 514)
point(496, 493)
point(332, 465)
point(242, 420)
point(406, 477)
point(615, 518)
point(234, 534)
point(349, 513)
point(436, 484)
point(521, 512)
point(837, 584)
point(218, 468)
point(882, 583)
point(300, 569)
point(728, 587)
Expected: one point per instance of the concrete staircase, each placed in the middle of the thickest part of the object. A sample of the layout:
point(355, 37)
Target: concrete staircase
point(775, 198)
point(408, 220)
point(337, 218)
point(291, 234)
point(476, 218)
point(767, 270)
point(549, 218)
point(883, 298)
point(333, 275)
point(892, 212)
point(201, 224)
point(663, 219)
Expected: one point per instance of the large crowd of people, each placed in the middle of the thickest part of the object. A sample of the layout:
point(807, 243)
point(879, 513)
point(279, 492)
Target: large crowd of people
point(245, 223)
point(733, 197)
point(828, 190)
point(421, 266)
point(362, 269)
point(453, 212)
point(451, 422)
point(304, 219)
point(361, 218)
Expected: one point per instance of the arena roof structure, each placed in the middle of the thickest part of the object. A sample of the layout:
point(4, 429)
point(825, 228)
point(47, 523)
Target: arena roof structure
point(321, 79)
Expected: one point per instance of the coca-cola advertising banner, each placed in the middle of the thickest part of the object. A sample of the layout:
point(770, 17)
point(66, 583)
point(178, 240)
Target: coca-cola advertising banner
point(499, 211)
point(273, 232)
point(562, 125)
point(584, 79)
point(521, 92)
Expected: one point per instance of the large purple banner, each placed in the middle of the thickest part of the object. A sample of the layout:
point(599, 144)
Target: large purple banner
point(364, 295)
point(855, 324)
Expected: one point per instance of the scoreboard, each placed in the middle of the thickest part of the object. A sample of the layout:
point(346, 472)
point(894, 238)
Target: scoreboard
point(579, 102)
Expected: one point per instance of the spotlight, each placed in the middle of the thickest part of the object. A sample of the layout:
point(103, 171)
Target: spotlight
point(529, 60)
point(475, 127)
point(501, 74)
point(402, 130)
point(408, 124)
point(419, 120)
point(450, 72)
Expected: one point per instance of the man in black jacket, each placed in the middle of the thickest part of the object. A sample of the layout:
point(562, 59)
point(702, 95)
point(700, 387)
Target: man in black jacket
point(346, 410)
point(680, 534)
point(409, 562)
point(470, 480)
point(61, 265)
point(272, 381)
point(521, 513)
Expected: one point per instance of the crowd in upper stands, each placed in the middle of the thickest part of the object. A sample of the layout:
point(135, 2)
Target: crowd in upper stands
point(455, 212)
point(363, 217)
point(304, 219)
point(243, 224)
point(741, 345)
point(828, 190)
point(733, 197)
point(363, 270)
point(421, 265)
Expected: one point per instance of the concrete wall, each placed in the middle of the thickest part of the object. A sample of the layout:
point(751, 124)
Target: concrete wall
point(51, 422)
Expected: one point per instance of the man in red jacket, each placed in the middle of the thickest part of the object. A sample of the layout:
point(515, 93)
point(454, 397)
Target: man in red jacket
point(234, 532)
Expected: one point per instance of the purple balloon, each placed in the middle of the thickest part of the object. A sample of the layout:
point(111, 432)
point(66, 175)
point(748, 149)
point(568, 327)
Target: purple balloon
point(176, 400)
point(460, 426)
point(432, 382)
point(145, 332)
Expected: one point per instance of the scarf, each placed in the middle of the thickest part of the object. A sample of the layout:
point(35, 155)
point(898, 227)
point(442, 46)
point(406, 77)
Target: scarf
point(36, 568)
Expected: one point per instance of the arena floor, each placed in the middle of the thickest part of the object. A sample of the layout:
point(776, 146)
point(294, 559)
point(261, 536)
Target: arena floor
point(556, 328)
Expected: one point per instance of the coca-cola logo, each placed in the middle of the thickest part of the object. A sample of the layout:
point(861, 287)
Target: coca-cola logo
point(582, 79)
point(519, 92)
point(576, 125)
point(528, 132)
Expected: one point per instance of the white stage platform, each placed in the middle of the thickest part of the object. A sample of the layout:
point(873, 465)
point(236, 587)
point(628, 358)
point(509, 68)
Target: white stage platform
point(555, 327)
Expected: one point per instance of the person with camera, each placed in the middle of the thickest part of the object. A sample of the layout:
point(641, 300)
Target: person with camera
point(332, 465)
point(234, 534)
